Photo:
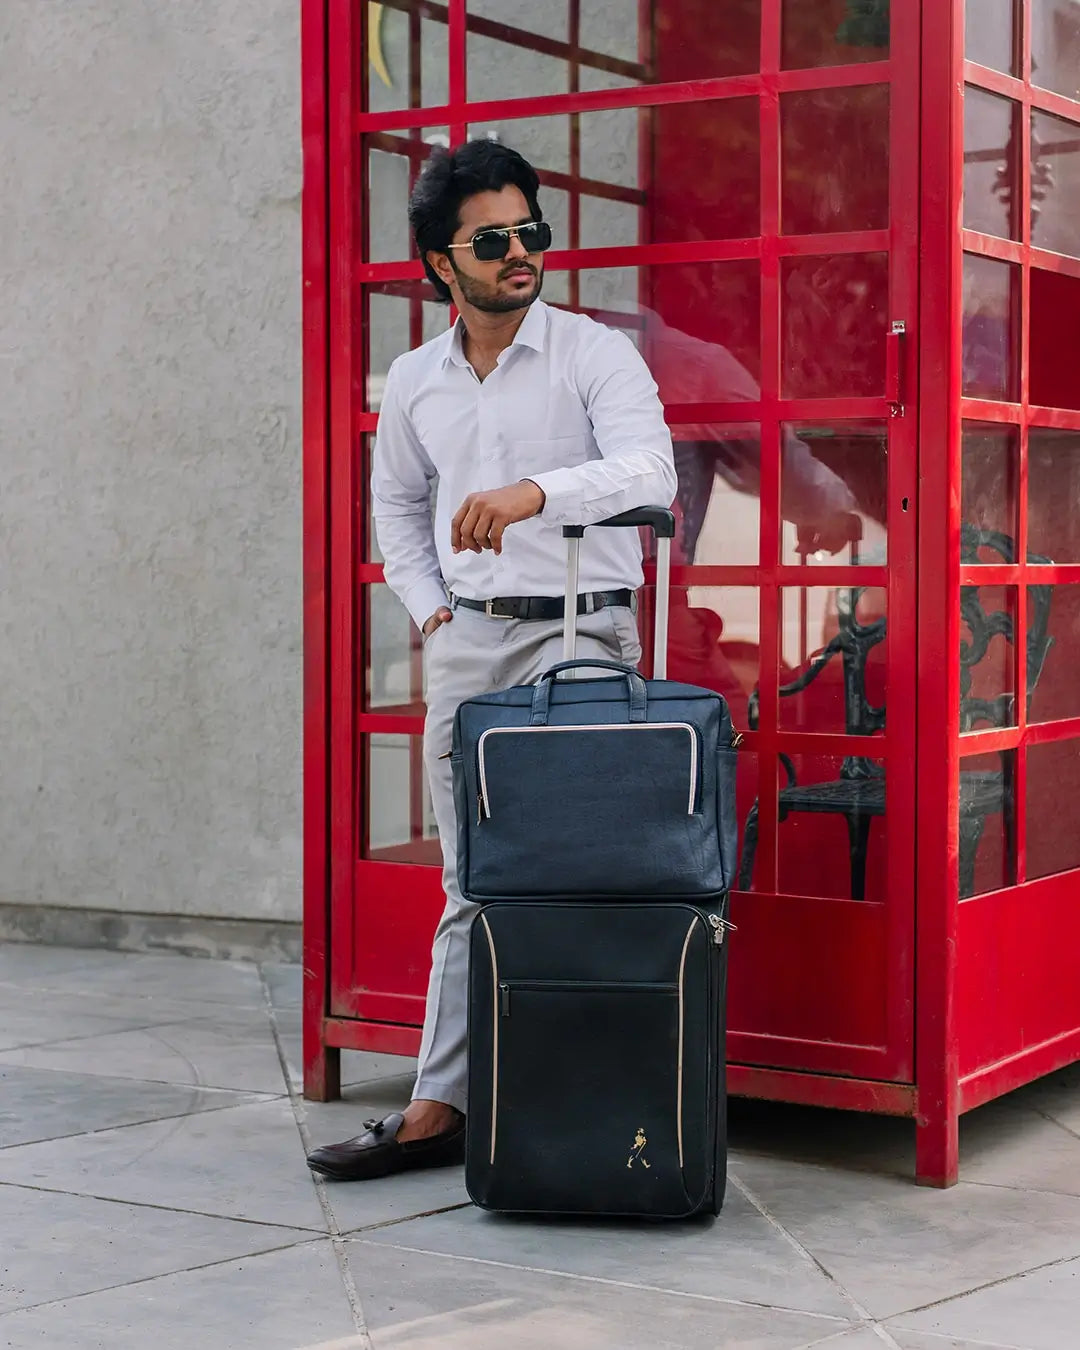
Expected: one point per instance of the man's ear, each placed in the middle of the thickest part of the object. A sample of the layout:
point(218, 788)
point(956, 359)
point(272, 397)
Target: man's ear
point(440, 264)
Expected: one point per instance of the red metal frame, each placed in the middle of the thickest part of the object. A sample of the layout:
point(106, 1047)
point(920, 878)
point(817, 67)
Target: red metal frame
point(931, 1060)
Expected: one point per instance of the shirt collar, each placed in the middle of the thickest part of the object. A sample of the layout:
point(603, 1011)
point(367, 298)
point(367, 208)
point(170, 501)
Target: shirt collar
point(532, 333)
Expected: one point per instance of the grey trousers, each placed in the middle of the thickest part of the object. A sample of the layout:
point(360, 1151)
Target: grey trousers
point(474, 654)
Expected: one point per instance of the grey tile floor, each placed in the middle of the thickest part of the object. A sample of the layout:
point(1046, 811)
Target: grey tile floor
point(153, 1196)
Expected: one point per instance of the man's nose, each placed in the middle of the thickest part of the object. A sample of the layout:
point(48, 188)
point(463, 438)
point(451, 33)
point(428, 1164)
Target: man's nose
point(517, 249)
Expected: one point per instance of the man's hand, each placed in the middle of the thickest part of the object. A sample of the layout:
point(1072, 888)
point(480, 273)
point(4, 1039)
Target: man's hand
point(442, 615)
point(483, 516)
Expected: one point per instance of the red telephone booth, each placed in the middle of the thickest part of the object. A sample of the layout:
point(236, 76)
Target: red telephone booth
point(848, 244)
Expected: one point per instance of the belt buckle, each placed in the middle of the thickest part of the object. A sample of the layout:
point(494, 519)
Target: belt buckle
point(490, 612)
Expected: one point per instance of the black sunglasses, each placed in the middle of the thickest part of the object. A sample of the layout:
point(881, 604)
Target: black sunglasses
point(491, 245)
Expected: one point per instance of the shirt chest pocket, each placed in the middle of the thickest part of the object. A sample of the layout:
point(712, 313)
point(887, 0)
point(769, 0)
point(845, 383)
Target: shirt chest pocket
point(528, 457)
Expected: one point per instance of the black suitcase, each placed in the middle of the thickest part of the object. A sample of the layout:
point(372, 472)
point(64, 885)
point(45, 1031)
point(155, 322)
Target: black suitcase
point(596, 1059)
point(596, 1041)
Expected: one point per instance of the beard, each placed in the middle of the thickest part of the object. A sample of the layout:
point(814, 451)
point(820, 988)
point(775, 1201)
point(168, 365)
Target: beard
point(488, 298)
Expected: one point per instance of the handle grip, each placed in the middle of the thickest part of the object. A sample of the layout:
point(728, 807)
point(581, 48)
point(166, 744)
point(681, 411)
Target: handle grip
point(542, 697)
point(659, 519)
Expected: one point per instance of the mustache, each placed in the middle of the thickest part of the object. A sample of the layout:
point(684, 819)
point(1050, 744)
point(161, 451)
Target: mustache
point(517, 267)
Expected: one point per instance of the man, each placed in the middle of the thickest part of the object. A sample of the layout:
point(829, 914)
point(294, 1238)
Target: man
point(530, 418)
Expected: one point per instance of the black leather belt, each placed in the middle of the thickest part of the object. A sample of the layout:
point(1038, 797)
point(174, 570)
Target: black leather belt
point(538, 607)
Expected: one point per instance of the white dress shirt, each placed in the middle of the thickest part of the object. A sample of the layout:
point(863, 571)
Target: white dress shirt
point(571, 405)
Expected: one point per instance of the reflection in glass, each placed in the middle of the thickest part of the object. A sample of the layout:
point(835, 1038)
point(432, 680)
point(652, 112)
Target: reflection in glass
point(990, 315)
point(1054, 357)
point(833, 483)
point(986, 858)
point(1055, 184)
point(1053, 644)
point(719, 469)
point(987, 657)
point(407, 58)
point(989, 35)
point(991, 164)
point(834, 32)
point(1053, 494)
point(722, 202)
point(991, 463)
point(702, 330)
point(833, 326)
point(833, 831)
point(715, 642)
point(1055, 46)
point(833, 659)
point(394, 670)
point(522, 48)
point(835, 159)
point(394, 161)
point(400, 820)
point(1053, 789)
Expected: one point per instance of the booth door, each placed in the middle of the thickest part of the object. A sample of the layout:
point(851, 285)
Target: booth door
point(735, 187)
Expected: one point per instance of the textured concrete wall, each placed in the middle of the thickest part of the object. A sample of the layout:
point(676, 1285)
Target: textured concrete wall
point(150, 455)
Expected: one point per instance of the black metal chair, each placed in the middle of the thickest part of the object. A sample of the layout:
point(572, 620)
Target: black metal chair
point(859, 793)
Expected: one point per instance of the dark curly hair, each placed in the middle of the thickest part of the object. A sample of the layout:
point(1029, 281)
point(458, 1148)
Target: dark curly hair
point(448, 178)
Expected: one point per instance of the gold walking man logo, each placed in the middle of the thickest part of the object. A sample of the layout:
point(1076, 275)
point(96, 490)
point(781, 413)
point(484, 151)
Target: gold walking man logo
point(637, 1153)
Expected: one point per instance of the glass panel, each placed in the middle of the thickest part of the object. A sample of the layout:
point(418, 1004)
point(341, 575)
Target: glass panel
point(987, 658)
point(834, 32)
point(1055, 184)
point(408, 58)
point(988, 505)
point(833, 494)
point(1055, 339)
point(835, 159)
point(1053, 790)
point(1055, 46)
point(991, 164)
point(990, 328)
point(986, 859)
point(1053, 494)
point(719, 469)
point(832, 659)
point(723, 202)
point(390, 178)
point(1053, 652)
point(400, 823)
point(834, 313)
point(715, 641)
point(690, 40)
point(400, 315)
point(394, 674)
point(682, 202)
point(989, 35)
point(832, 838)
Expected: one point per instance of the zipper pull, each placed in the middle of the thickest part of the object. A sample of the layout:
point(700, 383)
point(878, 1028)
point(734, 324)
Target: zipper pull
point(447, 755)
point(720, 927)
point(479, 808)
point(736, 739)
point(504, 1000)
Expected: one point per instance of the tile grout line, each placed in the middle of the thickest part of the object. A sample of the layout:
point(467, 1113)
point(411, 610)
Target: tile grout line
point(263, 1099)
point(842, 1323)
point(337, 1242)
point(165, 1209)
point(164, 1275)
point(987, 1284)
point(863, 1314)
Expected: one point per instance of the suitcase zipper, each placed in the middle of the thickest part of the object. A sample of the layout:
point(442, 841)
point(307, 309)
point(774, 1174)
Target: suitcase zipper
point(483, 809)
point(720, 927)
point(507, 988)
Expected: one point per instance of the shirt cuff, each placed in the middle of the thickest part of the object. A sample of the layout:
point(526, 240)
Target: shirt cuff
point(424, 599)
point(562, 496)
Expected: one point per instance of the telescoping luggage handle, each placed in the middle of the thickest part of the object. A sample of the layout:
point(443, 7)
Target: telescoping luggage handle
point(662, 523)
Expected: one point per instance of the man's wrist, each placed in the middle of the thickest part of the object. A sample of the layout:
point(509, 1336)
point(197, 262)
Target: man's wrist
point(543, 495)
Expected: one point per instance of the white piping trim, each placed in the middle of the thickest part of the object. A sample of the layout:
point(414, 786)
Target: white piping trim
point(621, 726)
point(679, 1090)
point(495, 1033)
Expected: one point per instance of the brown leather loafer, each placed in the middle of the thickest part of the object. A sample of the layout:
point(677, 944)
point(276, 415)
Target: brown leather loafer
point(376, 1152)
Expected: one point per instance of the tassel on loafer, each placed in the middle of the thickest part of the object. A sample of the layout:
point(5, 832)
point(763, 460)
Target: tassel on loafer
point(377, 1153)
